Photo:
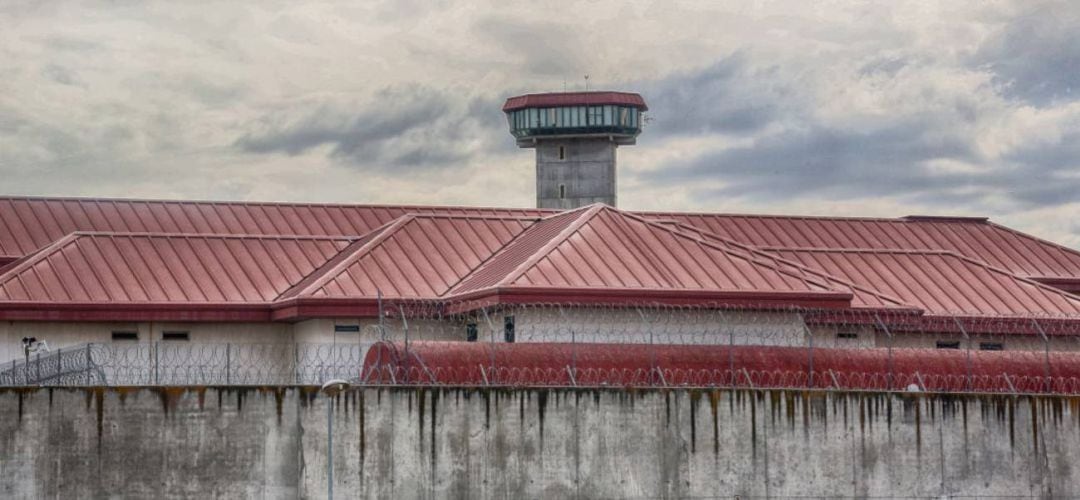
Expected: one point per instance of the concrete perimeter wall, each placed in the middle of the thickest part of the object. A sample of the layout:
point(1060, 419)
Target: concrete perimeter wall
point(415, 443)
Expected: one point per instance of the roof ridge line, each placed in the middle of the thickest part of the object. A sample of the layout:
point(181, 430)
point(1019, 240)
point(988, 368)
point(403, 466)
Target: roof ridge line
point(772, 248)
point(29, 259)
point(321, 276)
point(744, 251)
point(271, 203)
point(820, 275)
point(172, 234)
point(583, 215)
point(1025, 279)
point(587, 213)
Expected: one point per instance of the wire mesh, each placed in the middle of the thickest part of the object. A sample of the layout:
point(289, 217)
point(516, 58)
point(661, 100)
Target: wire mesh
point(613, 344)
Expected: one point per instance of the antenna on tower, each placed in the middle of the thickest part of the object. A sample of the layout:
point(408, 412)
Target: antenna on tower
point(586, 83)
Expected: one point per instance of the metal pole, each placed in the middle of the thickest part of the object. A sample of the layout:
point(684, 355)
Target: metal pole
point(88, 363)
point(59, 354)
point(889, 336)
point(382, 327)
point(329, 447)
point(1046, 354)
point(156, 375)
point(228, 363)
point(967, 351)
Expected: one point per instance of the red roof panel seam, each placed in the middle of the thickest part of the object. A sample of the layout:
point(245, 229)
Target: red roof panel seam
point(1041, 243)
point(382, 233)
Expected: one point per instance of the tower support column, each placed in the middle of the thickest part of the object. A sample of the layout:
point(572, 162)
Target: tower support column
point(572, 173)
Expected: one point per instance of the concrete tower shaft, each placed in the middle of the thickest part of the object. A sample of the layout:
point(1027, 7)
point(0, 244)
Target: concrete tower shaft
point(575, 135)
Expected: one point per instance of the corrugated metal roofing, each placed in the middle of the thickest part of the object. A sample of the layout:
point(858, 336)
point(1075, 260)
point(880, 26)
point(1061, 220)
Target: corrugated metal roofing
point(972, 237)
point(111, 268)
point(940, 282)
point(863, 297)
point(556, 99)
point(28, 223)
point(598, 247)
point(418, 256)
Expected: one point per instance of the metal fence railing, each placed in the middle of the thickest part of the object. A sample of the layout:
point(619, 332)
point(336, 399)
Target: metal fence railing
point(171, 363)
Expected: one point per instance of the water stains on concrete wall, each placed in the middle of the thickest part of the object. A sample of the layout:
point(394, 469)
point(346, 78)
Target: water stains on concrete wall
point(270, 442)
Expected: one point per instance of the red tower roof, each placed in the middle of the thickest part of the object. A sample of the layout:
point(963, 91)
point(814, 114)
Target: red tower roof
point(559, 99)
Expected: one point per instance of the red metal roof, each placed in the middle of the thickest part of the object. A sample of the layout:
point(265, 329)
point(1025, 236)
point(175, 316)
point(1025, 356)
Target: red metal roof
point(972, 237)
point(116, 268)
point(589, 255)
point(418, 256)
point(558, 99)
point(599, 248)
point(940, 282)
point(591, 365)
point(28, 223)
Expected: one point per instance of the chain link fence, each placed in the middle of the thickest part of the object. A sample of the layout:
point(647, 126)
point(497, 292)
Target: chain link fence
point(589, 344)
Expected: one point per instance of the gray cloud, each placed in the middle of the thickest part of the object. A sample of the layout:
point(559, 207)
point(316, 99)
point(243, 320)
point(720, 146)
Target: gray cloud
point(1035, 56)
point(408, 126)
point(728, 97)
point(821, 161)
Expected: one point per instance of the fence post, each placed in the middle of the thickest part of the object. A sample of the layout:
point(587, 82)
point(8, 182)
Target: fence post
point(888, 335)
point(296, 363)
point(810, 342)
point(59, 355)
point(382, 327)
point(228, 363)
point(88, 363)
point(37, 362)
point(491, 328)
point(967, 353)
point(573, 345)
point(1046, 356)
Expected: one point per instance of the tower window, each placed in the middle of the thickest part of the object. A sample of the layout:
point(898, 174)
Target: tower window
point(508, 329)
point(622, 116)
point(562, 191)
point(562, 152)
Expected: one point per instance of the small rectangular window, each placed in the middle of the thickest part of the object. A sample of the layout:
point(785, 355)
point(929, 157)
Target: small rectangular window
point(847, 335)
point(125, 335)
point(948, 344)
point(562, 191)
point(562, 152)
point(346, 328)
point(471, 332)
point(178, 336)
point(991, 346)
point(508, 329)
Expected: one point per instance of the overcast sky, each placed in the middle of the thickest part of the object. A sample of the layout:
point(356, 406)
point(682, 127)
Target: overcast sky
point(834, 108)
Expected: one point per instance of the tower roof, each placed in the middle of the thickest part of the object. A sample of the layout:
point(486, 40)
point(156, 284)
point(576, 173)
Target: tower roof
point(560, 99)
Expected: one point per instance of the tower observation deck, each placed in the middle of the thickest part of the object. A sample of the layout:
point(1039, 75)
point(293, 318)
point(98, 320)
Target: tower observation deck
point(575, 135)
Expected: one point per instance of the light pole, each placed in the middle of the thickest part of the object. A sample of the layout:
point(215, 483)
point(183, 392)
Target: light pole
point(331, 388)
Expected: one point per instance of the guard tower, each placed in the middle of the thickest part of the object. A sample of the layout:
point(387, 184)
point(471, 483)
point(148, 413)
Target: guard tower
point(575, 135)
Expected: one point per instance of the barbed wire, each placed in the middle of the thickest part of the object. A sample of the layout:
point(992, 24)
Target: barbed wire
point(869, 348)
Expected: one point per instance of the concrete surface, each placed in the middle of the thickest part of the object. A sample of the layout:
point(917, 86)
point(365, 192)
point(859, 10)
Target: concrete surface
point(467, 443)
